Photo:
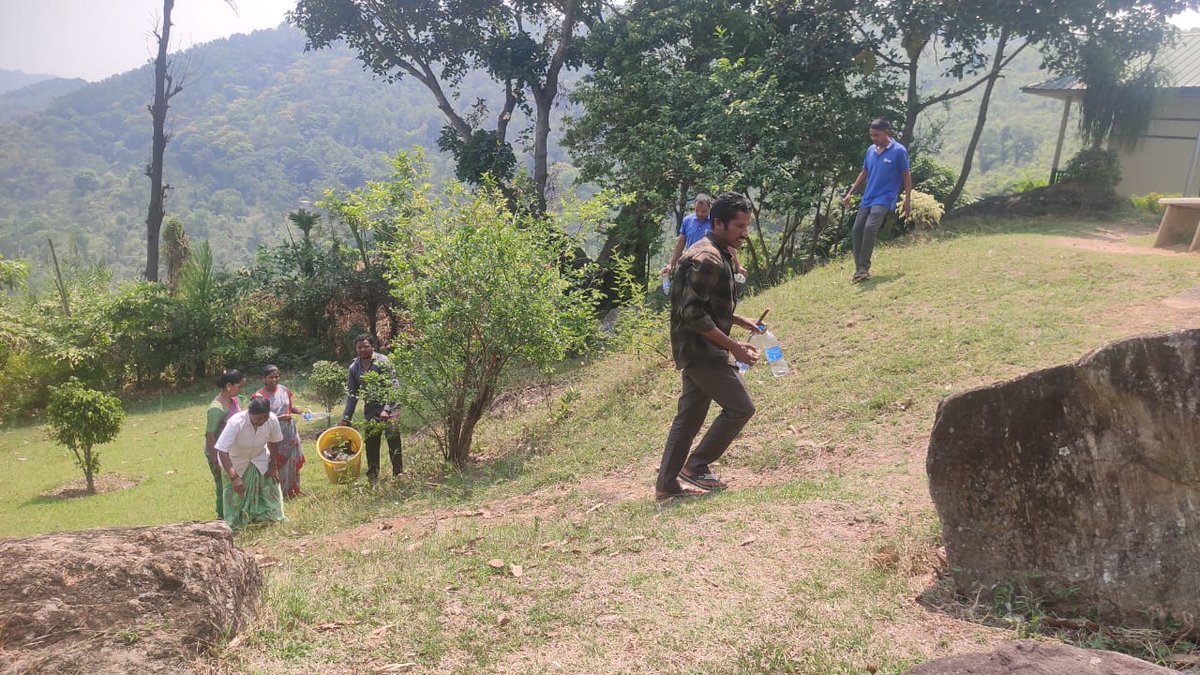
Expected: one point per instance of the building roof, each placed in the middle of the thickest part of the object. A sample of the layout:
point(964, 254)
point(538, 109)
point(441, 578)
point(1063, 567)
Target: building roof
point(1181, 61)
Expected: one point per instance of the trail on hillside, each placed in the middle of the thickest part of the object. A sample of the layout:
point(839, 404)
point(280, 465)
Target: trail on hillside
point(822, 560)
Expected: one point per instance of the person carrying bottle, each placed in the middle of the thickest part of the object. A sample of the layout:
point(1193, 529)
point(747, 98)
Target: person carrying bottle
point(368, 360)
point(703, 299)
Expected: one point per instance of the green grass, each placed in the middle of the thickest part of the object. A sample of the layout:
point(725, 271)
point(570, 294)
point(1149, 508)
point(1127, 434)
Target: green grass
point(161, 446)
point(780, 575)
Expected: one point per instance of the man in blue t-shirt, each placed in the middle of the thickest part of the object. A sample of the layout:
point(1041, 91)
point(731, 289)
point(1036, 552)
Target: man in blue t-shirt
point(885, 170)
point(692, 229)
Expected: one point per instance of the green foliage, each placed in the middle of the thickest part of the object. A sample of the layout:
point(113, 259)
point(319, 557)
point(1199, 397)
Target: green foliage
point(637, 324)
point(933, 177)
point(176, 250)
point(13, 273)
point(1098, 170)
point(716, 96)
point(1029, 182)
point(328, 382)
point(1149, 202)
point(486, 293)
point(80, 419)
point(1119, 98)
point(926, 214)
point(479, 156)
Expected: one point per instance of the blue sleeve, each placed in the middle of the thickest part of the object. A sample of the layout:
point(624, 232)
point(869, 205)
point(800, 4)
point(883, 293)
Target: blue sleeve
point(865, 155)
point(903, 160)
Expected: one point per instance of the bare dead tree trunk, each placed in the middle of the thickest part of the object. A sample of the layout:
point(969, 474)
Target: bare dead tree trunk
point(164, 89)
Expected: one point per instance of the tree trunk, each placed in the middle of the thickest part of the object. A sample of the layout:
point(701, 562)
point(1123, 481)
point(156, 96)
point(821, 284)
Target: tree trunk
point(912, 107)
point(541, 135)
point(158, 147)
point(998, 63)
point(87, 471)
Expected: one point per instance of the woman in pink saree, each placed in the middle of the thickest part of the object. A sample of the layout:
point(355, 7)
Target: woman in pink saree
point(291, 459)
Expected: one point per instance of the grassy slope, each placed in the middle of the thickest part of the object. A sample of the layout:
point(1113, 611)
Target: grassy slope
point(810, 565)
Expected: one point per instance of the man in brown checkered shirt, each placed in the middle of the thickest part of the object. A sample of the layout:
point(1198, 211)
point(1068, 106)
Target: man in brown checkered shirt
point(703, 297)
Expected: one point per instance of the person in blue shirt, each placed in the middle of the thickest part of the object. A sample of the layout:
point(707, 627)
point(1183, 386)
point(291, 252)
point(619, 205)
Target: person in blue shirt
point(692, 229)
point(885, 170)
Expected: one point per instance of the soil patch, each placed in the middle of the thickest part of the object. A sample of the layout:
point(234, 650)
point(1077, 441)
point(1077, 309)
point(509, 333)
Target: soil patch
point(105, 483)
point(1062, 199)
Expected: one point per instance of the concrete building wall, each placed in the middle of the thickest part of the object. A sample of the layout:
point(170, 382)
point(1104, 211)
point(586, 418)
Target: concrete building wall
point(1160, 162)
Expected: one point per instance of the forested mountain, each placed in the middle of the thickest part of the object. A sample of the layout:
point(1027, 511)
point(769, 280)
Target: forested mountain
point(260, 129)
point(263, 128)
point(37, 96)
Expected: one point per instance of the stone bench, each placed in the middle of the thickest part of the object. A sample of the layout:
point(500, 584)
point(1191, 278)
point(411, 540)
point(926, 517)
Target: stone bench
point(1180, 223)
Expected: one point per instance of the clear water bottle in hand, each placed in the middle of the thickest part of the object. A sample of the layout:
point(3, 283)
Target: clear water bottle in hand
point(666, 283)
point(310, 416)
point(768, 345)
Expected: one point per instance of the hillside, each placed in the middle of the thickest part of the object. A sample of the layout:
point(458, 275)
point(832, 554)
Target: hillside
point(260, 127)
point(11, 80)
point(36, 97)
point(821, 559)
point(1018, 141)
point(263, 128)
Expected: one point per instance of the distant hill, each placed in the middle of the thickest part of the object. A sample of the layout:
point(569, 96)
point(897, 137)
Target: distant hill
point(1018, 140)
point(261, 128)
point(36, 96)
point(11, 80)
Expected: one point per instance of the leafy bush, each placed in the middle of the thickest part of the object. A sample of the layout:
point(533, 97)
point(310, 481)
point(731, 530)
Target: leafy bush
point(80, 419)
point(328, 381)
point(1028, 182)
point(926, 214)
point(1149, 202)
point(1098, 170)
point(932, 177)
point(487, 293)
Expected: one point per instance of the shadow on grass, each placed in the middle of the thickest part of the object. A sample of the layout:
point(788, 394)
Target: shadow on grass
point(878, 280)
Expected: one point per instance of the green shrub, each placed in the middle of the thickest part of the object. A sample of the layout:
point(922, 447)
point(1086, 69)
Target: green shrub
point(933, 178)
point(926, 214)
point(1028, 182)
point(1149, 202)
point(1098, 170)
point(328, 382)
point(79, 420)
point(487, 294)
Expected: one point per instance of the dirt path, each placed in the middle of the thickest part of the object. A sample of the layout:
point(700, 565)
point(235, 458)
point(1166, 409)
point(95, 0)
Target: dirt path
point(1116, 240)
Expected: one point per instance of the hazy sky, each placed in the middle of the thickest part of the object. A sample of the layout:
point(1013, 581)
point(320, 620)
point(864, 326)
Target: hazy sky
point(93, 39)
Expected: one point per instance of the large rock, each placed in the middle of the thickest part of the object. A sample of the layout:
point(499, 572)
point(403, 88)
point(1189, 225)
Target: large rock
point(1080, 484)
point(122, 600)
point(1027, 657)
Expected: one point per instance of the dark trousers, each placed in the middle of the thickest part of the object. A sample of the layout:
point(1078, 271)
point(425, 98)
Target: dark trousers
point(862, 236)
point(704, 383)
point(371, 442)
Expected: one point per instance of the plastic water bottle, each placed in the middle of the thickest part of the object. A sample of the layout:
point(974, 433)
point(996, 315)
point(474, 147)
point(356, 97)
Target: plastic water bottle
point(768, 345)
point(666, 283)
point(310, 416)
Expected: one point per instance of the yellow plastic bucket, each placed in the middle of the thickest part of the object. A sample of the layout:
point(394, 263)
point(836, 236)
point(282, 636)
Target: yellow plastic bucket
point(341, 472)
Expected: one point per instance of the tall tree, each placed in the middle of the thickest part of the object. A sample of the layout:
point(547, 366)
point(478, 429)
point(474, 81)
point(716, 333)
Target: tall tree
point(760, 97)
point(523, 45)
point(166, 87)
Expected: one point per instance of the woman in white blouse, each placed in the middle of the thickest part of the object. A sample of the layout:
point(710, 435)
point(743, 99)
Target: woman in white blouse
point(251, 480)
